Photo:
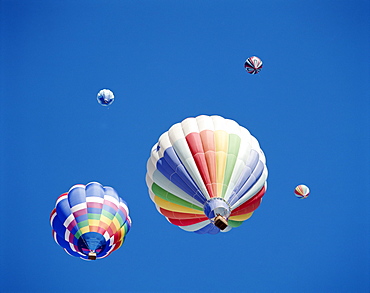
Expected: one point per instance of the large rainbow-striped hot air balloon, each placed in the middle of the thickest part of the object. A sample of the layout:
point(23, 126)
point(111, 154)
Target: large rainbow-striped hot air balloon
point(90, 221)
point(207, 174)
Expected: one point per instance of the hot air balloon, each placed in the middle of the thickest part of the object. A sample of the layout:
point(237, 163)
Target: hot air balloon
point(105, 97)
point(206, 174)
point(90, 221)
point(253, 65)
point(302, 191)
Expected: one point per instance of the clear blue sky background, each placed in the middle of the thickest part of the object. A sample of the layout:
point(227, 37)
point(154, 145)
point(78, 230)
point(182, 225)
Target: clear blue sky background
point(165, 61)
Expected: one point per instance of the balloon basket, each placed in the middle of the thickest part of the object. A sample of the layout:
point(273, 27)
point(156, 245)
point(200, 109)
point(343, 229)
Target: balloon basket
point(92, 255)
point(220, 222)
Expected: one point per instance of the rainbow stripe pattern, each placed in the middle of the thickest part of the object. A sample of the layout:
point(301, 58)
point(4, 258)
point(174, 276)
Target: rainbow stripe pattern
point(204, 167)
point(90, 218)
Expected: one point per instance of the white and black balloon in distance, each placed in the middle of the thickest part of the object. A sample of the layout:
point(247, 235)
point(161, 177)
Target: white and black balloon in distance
point(302, 191)
point(253, 65)
point(105, 97)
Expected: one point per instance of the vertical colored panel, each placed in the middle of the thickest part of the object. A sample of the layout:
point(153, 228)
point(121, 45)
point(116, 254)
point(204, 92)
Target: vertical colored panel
point(181, 148)
point(232, 154)
point(179, 176)
point(209, 147)
point(196, 147)
point(221, 143)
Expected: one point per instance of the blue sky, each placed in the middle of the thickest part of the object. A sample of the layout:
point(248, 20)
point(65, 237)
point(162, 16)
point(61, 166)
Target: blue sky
point(165, 61)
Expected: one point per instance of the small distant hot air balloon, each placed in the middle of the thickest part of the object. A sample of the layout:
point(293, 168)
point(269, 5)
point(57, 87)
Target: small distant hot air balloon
point(253, 65)
point(302, 191)
point(206, 174)
point(105, 97)
point(90, 221)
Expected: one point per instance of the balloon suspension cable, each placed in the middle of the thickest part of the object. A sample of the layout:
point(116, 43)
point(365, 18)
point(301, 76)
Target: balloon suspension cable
point(92, 254)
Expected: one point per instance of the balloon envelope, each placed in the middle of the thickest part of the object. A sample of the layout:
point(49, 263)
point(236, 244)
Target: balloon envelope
point(302, 191)
point(105, 97)
point(206, 174)
point(90, 221)
point(253, 65)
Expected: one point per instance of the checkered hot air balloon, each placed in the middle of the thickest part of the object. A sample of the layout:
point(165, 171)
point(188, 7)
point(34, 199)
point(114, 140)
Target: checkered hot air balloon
point(206, 174)
point(253, 65)
point(302, 191)
point(90, 221)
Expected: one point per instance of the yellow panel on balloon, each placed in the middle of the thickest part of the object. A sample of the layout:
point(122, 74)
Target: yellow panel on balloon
point(175, 207)
point(241, 217)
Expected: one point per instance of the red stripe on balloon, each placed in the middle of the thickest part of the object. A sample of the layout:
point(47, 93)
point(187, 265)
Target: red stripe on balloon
point(96, 205)
point(186, 222)
point(79, 213)
point(250, 205)
point(110, 204)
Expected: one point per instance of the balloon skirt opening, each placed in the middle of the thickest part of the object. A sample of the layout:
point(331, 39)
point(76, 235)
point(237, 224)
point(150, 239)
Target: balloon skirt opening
point(220, 222)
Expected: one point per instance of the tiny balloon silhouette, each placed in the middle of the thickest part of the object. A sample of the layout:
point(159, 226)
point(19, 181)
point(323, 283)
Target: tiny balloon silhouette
point(105, 97)
point(253, 65)
point(302, 191)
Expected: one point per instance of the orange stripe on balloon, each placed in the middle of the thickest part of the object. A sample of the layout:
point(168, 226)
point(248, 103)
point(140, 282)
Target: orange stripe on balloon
point(102, 228)
point(196, 148)
point(113, 227)
point(207, 137)
point(94, 228)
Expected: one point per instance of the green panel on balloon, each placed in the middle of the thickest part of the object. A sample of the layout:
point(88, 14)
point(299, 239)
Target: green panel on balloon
point(160, 192)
